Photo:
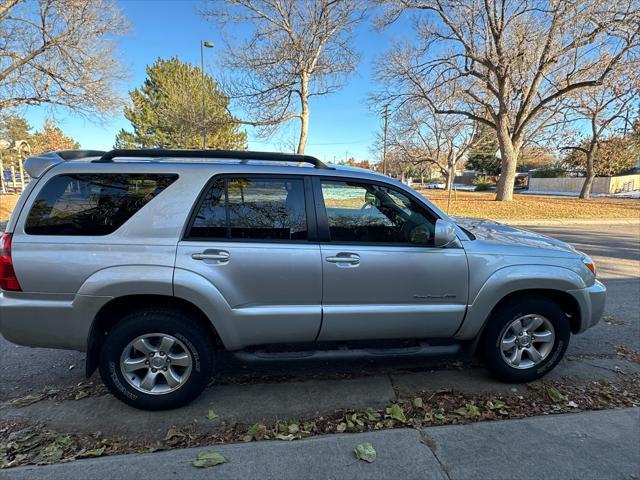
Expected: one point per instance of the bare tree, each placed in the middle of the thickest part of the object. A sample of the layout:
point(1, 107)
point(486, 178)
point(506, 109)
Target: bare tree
point(421, 136)
point(508, 65)
point(606, 110)
point(57, 52)
point(296, 50)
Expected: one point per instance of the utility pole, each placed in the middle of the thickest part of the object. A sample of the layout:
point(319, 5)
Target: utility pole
point(384, 139)
point(204, 43)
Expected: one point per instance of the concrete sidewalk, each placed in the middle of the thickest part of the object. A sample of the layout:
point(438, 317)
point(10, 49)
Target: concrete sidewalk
point(602, 445)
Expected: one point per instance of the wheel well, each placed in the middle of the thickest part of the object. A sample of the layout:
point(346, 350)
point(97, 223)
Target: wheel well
point(566, 302)
point(113, 311)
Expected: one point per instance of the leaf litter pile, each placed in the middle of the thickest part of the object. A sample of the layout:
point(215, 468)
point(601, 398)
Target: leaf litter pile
point(23, 443)
point(76, 392)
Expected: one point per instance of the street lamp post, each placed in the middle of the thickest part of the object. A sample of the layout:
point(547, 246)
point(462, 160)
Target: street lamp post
point(203, 44)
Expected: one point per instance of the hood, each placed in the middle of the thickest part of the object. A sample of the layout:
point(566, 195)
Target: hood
point(488, 230)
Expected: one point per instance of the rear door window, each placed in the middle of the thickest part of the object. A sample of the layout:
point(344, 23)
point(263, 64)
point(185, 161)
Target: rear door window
point(92, 204)
point(245, 208)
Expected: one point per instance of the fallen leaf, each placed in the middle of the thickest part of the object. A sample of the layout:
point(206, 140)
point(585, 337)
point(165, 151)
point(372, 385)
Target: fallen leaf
point(417, 402)
point(495, 404)
point(27, 400)
point(211, 415)
point(365, 452)
point(554, 394)
point(439, 414)
point(208, 459)
point(96, 452)
point(372, 415)
point(257, 431)
point(341, 427)
point(174, 436)
point(81, 394)
point(396, 413)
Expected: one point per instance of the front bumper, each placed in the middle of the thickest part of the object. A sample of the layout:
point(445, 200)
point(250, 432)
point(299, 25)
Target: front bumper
point(591, 301)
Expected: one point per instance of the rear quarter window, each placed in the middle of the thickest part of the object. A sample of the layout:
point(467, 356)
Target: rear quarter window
point(92, 204)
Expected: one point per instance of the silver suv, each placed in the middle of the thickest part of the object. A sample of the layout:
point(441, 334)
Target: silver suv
point(150, 260)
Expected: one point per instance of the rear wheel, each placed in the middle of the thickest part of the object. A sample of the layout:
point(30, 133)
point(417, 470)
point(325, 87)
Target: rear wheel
point(525, 339)
point(156, 359)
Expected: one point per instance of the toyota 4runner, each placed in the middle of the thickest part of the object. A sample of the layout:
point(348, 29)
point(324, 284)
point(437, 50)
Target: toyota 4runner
point(150, 260)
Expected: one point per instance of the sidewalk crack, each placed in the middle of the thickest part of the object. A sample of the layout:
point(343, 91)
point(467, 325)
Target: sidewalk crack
point(433, 446)
point(394, 387)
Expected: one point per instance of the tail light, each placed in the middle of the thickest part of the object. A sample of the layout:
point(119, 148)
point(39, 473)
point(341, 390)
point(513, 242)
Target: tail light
point(8, 279)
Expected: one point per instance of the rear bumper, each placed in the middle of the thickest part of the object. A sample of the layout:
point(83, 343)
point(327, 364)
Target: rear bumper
point(591, 301)
point(48, 320)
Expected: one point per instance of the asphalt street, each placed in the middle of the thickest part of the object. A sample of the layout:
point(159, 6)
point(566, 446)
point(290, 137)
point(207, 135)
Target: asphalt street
point(615, 248)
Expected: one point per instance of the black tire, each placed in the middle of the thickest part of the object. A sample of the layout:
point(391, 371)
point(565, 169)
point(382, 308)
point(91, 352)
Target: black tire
point(501, 319)
point(195, 338)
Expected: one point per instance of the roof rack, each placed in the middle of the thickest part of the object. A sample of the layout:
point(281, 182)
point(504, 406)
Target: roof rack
point(160, 153)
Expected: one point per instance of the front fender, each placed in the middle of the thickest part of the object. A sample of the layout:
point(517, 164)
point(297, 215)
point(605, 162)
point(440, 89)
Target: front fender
point(513, 279)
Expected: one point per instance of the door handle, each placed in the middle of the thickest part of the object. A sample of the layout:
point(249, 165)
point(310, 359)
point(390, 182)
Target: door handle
point(220, 256)
point(350, 258)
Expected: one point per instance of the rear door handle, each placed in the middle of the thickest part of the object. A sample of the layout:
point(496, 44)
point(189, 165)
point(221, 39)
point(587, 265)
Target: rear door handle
point(350, 258)
point(220, 256)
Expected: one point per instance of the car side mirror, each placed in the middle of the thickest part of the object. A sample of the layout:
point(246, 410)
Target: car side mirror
point(445, 234)
point(371, 199)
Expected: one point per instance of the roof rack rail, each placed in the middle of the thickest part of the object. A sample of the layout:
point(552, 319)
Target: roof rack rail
point(214, 154)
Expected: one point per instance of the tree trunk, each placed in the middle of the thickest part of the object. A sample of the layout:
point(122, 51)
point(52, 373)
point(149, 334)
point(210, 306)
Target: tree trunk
point(449, 180)
point(585, 193)
point(304, 127)
point(509, 157)
point(304, 116)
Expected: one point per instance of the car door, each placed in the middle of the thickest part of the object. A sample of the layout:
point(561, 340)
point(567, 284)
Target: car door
point(382, 276)
point(251, 237)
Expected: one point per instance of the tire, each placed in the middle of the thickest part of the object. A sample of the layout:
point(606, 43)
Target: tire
point(171, 385)
point(501, 360)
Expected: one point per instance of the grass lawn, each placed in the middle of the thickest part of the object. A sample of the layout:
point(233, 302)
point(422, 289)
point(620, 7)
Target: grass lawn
point(482, 205)
point(7, 202)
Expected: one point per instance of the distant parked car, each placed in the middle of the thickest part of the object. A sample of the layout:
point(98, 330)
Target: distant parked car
point(151, 260)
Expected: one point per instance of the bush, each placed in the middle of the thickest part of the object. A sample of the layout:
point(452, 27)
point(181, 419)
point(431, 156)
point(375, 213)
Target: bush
point(548, 172)
point(483, 184)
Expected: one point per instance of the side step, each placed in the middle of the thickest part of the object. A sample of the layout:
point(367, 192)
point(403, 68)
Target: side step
point(419, 350)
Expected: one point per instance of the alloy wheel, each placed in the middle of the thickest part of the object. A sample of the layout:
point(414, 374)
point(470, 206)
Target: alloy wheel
point(527, 341)
point(156, 363)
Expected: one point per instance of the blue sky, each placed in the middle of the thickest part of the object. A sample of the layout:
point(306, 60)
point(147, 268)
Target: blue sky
point(341, 124)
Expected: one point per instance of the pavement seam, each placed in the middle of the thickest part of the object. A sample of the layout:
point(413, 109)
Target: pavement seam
point(394, 387)
point(433, 447)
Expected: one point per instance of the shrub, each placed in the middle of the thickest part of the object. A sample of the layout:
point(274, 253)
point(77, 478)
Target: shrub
point(548, 172)
point(483, 183)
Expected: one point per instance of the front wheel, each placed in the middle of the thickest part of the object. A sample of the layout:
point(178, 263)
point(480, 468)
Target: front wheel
point(525, 339)
point(156, 359)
